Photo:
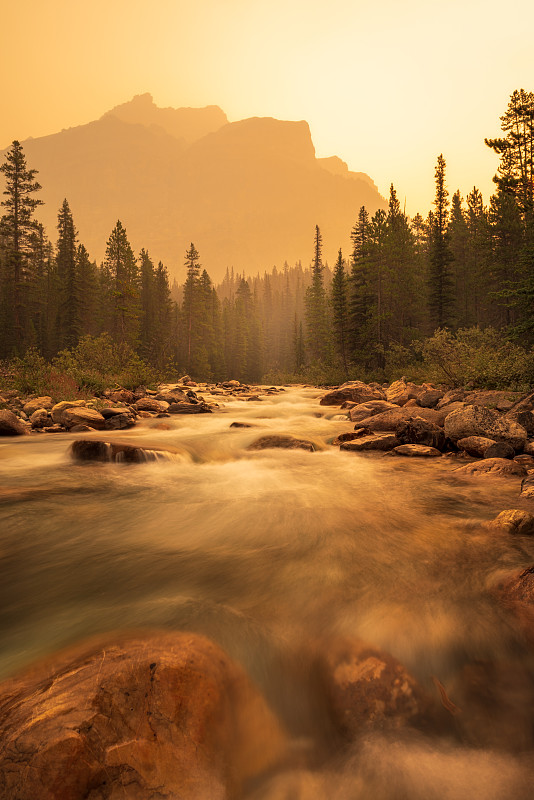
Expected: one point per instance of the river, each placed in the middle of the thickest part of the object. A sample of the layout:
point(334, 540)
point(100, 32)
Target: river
point(267, 552)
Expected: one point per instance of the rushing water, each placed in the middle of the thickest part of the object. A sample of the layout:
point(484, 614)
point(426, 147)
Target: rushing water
point(268, 552)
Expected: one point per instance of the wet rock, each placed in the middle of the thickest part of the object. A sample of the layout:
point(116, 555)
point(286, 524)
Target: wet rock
point(122, 396)
point(242, 425)
point(480, 421)
point(149, 404)
point(499, 450)
point(389, 420)
point(370, 409)
point(81, 428)
point(38, 403)
point(40, 418)
point(166, 715)
point(356, 391)
point(283, 441)
point(400, 392)
point(421, 431)
point(527, 487)
point(119, 422)
point(349, 437)
point(476, 446)
point(118, 452)
point(56, 428)
point(499, 467)
point(172, 396)
point(529, 449)
point(417, 451)
point(383, 442)
point(10, 424)
point(368, 689)
point(83, 416)
point(514, 521)
point(189, 408)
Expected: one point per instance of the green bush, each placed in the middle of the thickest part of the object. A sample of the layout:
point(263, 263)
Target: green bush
point(480, 358)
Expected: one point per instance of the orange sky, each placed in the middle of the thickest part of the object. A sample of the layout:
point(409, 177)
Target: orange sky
point(386, 86)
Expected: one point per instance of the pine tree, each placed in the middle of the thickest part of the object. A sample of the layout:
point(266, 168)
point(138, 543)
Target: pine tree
point(440, 280)
point(190, 306)
point(359, 295)
point(17, 226)
point(316, 309)
point(68, 315)
point(124, 282)
point(340, 310)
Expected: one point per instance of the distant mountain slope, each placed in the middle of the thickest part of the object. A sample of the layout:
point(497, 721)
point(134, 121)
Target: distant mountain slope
point(247, 193)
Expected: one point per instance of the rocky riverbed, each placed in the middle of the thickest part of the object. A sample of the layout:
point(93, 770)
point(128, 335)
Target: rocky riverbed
point(229, 591)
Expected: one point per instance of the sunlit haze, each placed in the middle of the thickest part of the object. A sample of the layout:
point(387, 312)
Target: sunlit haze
point(385, 86)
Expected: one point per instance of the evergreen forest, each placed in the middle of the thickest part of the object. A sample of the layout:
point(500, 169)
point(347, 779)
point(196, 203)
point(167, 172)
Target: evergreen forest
point(451, 291)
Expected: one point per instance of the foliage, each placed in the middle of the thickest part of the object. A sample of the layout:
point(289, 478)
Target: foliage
point(479, 358)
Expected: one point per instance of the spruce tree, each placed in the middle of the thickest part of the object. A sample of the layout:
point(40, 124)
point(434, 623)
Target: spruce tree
point(17, 226)
point(340, 310)
point(440, 293)
point(69, 301)
point(123, 276)
point(316, 309)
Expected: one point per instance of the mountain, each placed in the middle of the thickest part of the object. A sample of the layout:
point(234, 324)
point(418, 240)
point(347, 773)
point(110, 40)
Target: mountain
point(247, 193)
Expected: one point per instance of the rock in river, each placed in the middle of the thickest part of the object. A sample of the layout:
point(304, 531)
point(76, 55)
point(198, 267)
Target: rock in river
point(162, 715)
point(480, 421)
point(493, 467)
point(356, 391)
point(283, 441)
point(10, 424)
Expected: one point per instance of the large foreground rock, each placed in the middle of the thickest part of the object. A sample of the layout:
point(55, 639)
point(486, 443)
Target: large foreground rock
point(368, 688)
point(475, 446)
point(10, 424)
point(514, 520)
point(162, 716)
point(422, 432)
point(480, 421)
point(355, 391)
point(58, 410)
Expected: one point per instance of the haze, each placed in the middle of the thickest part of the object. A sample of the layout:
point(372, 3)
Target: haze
point(385, 87)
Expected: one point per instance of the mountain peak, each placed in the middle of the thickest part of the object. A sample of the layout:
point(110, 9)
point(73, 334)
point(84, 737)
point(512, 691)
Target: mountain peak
point(186, 124)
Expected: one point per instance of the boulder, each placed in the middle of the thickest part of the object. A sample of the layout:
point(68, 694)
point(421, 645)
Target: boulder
point(83, 416)
point(514, 521)
point(452, 396)
point(161, 715)
point(499, 450)
point(368, 689)
point(149, 404)
point(172, 396)
point(421, 431)
point(119, 422)
point(40, 418)
point(122, 396)
point(10, 424)
point(189, 408)
point(370, 409)
point(480, 421)
point(493, 398)
point(529, 449)
point(37, 403)
point(525, 461)
point(383, 442)
point(356, 391)
point(349, 437)
point(283, 441)
point(476, 446)
point(524, 418)
point(429, 397)
point(57, 410)
point(400, 392)
point(527, 487)
point(417, 451)
point(389, 420)
point(493, 467)
point(118, 452)
point(516, 592)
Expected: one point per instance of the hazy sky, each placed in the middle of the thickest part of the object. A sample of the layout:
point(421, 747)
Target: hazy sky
point(385, 85)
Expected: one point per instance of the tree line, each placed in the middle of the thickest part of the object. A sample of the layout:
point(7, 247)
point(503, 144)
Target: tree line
point(466, 264)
